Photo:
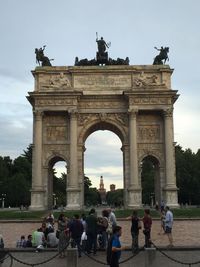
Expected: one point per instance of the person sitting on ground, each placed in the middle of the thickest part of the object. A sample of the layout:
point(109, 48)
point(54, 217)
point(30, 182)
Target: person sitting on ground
point(29, 242)
point(52, 240)
point(21, 243)
point(38, 238)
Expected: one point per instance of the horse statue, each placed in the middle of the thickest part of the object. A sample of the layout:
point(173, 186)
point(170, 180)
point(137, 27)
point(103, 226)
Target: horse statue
point(162, 57)
point(41, 59)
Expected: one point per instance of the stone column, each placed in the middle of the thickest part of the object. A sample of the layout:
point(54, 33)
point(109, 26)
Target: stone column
point(73, 190)
point(37, 192)
point(170, 186)
point(73, 179)
point(134, 188)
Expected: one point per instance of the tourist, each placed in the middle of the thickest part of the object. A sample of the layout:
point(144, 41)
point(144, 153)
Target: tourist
point(29, 242)
point(76, 231)
point(52, 240)
point(63, 234)
point(162, 222)
point(135, 227)
point(91, 232)
point(162, 206)
point(21, 243)
point(168, 225)
point(147, 223)
point(103, 226)
point(114, 247)
point(1, 241)
point(84, 236)
point(38, 238)
point(111, 220)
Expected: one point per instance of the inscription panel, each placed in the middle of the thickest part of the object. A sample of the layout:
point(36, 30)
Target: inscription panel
point(103, 81)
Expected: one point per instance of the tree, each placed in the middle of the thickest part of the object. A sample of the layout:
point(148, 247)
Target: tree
point(115, 198)
point(91, 195)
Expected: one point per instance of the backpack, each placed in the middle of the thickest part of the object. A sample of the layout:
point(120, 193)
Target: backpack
point(109, 250)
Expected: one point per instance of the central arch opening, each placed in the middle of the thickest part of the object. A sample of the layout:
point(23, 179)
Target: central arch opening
point(150, 179)
point(103, 164)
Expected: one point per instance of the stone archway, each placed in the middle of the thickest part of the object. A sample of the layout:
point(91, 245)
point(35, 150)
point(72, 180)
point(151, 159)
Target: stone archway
point(135, 102)
point(153, 189)
point(94, 125)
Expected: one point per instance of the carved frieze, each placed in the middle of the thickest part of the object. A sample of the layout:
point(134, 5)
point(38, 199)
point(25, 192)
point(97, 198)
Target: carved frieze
point(55, 102)
point(102, 81)
point(56, 81)
point(149, 100)
point(101, 104)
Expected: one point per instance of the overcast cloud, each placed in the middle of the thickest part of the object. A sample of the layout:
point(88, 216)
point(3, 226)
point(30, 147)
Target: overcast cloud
point(68, 28)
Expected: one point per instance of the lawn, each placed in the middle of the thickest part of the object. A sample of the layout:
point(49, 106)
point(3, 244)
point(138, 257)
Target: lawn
point(120, 213)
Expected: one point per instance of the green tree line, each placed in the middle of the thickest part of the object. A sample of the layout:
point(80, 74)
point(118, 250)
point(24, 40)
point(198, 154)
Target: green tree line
point(15, 180)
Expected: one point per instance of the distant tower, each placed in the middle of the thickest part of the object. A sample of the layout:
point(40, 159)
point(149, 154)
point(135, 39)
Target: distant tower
point(112, 187)
point(102, 191)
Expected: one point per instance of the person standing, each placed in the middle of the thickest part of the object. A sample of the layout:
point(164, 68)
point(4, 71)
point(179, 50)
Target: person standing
point(147, 222)
point(76, 231)
point(91, 232)
point(63, 238)
point(114, 247)
point(168, 225)
point(135, 227)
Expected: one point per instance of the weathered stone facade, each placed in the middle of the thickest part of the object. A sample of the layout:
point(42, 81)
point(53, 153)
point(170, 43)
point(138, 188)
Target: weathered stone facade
point(70, 103)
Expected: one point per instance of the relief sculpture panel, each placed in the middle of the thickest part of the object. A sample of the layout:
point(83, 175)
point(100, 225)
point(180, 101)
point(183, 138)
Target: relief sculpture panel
point(148, 133)
point(56, 133)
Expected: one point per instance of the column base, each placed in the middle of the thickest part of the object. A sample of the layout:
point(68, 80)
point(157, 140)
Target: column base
point(171, 197)
point(37, 200)
point(134, 198)
point(73, 199)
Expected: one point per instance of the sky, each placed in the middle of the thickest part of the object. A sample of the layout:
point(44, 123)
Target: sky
point(68, 29)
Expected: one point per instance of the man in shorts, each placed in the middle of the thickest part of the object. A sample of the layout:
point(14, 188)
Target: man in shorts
point(168, 225)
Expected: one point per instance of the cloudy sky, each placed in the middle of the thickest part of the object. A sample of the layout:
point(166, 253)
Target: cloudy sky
point(68, 28)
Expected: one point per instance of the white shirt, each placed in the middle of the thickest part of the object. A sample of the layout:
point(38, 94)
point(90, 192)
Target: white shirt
point(169, 219)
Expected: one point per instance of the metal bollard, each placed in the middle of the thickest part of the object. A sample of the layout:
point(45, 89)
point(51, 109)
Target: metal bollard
point(71, 257)
point(150, 257)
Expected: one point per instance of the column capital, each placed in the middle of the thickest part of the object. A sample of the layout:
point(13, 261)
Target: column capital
point(133, 112)
point(38, 114)
point(168, 112)
point(73, 113)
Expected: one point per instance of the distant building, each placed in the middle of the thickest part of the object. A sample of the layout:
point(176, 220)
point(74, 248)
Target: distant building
point(102, 191)
point(112, 187)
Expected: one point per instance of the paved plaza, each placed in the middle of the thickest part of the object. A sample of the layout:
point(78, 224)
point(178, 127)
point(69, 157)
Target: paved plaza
point(185, 232)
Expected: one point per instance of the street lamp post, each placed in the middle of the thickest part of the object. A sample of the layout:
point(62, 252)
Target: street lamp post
point(3, 196)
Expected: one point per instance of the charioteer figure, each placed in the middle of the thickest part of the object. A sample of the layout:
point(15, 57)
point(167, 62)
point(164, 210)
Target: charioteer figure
point(102, 55)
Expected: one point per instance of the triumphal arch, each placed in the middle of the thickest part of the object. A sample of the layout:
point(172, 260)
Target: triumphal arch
point(135, 102)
